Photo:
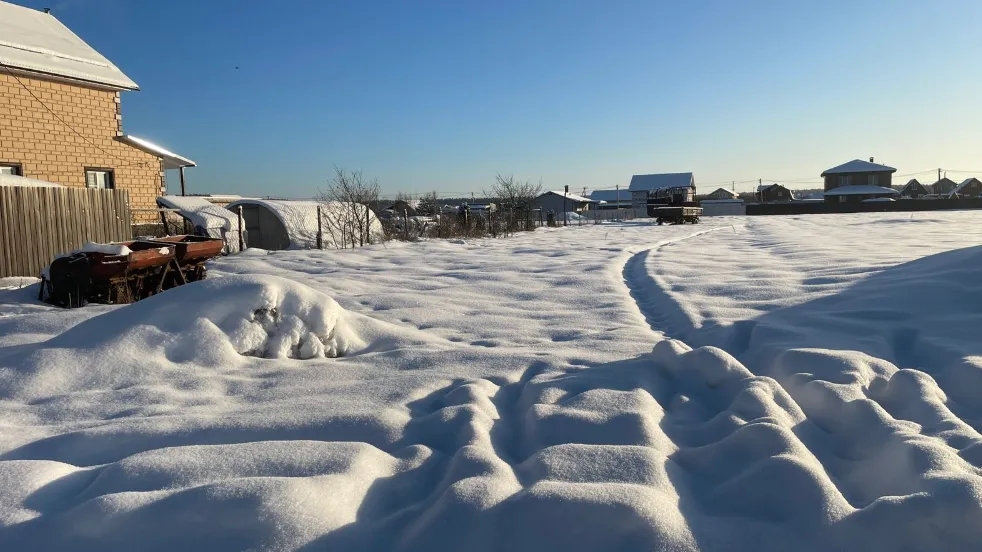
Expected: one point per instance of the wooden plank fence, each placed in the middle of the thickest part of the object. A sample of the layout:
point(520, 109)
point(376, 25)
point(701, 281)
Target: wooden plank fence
point(37, 223)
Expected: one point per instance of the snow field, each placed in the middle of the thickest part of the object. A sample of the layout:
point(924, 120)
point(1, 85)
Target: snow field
point(766, 383)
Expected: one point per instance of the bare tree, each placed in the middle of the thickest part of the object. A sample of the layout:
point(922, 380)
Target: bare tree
point(347, 202)
point(515, 197)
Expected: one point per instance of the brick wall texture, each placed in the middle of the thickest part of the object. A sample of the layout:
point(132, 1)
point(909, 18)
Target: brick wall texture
point(48, 149)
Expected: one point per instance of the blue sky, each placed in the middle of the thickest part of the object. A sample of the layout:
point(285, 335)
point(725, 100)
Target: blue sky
point(440, 95)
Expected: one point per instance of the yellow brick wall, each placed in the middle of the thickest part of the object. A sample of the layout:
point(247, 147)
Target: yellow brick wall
point(49, 149)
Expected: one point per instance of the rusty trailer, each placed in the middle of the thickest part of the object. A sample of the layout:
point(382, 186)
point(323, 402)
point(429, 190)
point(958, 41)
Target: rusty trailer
point(114, 275)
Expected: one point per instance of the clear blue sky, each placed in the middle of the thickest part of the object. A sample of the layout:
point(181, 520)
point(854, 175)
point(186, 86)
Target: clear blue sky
point(442, 95)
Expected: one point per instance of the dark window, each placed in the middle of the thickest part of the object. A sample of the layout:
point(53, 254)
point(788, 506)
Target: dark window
point(845, 181)
point(11, 168)
point(100, 178)
point(872, 180)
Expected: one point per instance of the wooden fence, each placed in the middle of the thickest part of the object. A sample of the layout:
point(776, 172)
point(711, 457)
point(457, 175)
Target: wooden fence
point(38, 223)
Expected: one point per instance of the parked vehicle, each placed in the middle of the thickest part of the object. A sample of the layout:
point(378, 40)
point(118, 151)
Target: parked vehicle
point(675, 205)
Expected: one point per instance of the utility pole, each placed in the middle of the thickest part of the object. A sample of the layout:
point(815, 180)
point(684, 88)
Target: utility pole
point(565, 193)
point(760, 193)
point(618, 188)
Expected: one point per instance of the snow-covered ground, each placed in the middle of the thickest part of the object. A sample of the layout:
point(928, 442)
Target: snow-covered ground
point(751, 383)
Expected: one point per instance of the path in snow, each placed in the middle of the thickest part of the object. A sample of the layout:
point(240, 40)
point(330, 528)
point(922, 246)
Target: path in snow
point(503, 394)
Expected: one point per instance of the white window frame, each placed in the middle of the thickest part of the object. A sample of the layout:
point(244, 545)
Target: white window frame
point(845, 180)
point(108, 180)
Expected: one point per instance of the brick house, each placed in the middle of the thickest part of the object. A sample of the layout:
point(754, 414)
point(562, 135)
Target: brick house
point(60, 113)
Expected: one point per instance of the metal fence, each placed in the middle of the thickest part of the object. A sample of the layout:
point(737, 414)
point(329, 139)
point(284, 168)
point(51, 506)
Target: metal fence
point(37, 223)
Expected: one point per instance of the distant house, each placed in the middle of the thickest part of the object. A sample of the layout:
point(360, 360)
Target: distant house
point(403, 207)
point(641, 184)
point(943, 187)
point(722, 193)
point(913, 189)
point(554, 201)
point(612, 199)
point(874, 179)
point(773, 193)
point(970, 187)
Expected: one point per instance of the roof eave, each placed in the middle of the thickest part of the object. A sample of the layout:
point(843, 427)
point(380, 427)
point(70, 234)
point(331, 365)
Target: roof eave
point(117, 86)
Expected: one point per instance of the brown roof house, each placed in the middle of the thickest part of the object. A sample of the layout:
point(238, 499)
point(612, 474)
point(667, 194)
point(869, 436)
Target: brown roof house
point(913, 189)
point(773, 193)
point(970, 187)
point(943, 187)
point(60, 114)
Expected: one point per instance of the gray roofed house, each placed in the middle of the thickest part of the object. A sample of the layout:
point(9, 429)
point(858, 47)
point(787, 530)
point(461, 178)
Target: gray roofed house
point(856, 173)
point(658, 181)
point(859, 166)
point(553, 201)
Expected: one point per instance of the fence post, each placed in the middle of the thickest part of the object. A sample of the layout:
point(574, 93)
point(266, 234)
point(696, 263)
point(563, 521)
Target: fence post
point(320, 239)
point(405, 224)
point(241, 237)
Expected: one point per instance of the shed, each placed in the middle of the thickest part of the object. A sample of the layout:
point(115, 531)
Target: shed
point(276, 224)
point(913, 189)
point(206, 218)
point(722, 207)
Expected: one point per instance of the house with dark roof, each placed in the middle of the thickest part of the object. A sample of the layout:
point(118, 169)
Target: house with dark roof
point(970, 187)
point(722, 194)
point(874, 179)
point(913, 189)
point(943, 187)
point(773, 193)
point(642, 184)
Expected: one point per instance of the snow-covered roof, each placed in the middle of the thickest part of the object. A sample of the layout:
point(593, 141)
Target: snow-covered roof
point(726, 191)
point(171, 160)
point(35, 41)
point(213, 220)
point(641, 182)
point(611, 196)
point(574, 197)
point(299, 219)
point(859, 166)
point(965, 183)
point(861, 190)
point(14, 180)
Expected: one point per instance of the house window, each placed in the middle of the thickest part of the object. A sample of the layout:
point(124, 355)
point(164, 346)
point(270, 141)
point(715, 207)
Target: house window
point(845, 181)
point(11, 168)
point(100, 178)
point(872, 180)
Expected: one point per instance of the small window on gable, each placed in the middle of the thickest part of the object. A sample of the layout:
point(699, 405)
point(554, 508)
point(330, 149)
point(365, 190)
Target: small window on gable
point(11, 168)
point(99, 178)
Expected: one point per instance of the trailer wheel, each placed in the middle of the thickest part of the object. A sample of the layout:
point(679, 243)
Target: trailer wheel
point(695, 220)
point(660, 221)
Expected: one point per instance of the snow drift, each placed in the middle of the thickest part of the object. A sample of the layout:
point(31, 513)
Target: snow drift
point(786, 393)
